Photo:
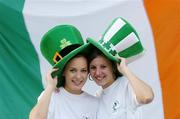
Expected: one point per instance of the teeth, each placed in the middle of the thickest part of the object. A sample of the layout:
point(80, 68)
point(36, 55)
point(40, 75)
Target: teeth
point(77, 82)
point(99, 78)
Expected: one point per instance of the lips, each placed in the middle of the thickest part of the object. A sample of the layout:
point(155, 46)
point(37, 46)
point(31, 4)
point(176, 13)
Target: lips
point(100, 77)
point(77, 83)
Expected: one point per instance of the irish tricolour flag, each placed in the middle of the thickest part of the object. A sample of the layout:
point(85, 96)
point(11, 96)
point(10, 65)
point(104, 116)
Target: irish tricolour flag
point(22, 67)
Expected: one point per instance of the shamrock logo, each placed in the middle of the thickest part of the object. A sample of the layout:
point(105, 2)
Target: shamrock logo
point(65, 43)
point(116, 106)
point(109, 47)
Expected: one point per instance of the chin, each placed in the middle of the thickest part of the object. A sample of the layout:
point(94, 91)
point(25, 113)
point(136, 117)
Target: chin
point(77, 87)
point(100, 83)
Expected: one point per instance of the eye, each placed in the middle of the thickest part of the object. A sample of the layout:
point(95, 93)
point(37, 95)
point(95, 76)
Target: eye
point(72, 70)
point(103, 66)
point(92, 67)
point(84, 70)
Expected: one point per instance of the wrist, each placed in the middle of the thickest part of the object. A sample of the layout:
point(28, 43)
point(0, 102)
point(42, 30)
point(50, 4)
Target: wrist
point(50, 88)
point(125, 71)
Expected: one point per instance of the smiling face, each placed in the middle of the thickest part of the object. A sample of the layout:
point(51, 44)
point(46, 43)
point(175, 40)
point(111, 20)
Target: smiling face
point(101, 71)
point(75, 74)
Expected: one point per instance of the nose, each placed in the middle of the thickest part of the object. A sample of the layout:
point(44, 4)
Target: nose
point(97, 72)
point(78, 75)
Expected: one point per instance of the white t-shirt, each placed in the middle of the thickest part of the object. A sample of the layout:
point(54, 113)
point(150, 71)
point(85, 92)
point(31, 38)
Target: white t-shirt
point(118, 101)
point(64, 105)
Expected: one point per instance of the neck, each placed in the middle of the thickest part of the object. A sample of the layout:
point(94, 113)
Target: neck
point(77, 92)
point(108, 84)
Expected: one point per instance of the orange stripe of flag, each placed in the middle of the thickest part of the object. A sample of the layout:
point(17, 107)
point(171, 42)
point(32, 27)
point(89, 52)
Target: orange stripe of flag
point(164, 16)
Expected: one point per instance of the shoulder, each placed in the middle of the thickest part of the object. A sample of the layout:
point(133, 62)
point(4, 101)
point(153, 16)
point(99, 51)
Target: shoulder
point(91, 101)
point(57, 95)
point(87, 95)
point(122, 81)
point(98, 93)
point(90, 97)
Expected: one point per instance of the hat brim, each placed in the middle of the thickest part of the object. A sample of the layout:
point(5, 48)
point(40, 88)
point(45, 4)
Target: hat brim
point(61, 64)
point(102, 49)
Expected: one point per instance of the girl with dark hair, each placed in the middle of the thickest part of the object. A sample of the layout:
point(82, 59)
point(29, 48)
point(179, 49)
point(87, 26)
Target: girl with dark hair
point(123, 92)
point(69, 102)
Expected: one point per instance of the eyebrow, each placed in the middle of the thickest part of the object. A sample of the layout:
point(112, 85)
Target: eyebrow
point(76, 68)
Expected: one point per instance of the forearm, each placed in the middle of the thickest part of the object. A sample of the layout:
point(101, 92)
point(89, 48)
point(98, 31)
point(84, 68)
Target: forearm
point(143, 92)
point(40, 110)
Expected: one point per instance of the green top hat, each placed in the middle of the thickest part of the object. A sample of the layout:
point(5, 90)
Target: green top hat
point(119, 39)
point(59, 45)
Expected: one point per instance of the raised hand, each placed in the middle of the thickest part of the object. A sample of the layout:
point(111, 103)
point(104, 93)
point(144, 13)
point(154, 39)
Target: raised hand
point(51, 82)
point(122, 65)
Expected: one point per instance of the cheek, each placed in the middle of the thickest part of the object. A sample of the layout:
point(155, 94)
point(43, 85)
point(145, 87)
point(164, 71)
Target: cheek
point(92, 72)
point(85, 75)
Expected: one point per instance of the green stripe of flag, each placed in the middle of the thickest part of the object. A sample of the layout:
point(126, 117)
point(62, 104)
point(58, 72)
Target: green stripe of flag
point(20, 79)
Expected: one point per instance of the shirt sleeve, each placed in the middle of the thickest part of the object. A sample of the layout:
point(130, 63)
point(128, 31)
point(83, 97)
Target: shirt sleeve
point(51, 109)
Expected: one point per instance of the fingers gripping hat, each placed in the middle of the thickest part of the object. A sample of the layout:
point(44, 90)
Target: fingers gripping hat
point(59, 45)
point(119, 39)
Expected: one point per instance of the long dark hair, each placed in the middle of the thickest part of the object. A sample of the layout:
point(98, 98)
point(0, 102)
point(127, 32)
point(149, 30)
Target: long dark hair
point(95, 53)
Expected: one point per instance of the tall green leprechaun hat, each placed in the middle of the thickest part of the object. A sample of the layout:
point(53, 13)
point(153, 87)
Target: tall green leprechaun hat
point(59, 45)
point(119, 39)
